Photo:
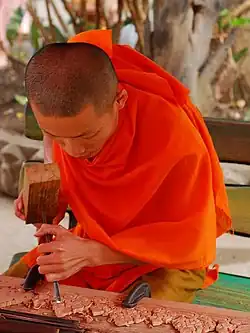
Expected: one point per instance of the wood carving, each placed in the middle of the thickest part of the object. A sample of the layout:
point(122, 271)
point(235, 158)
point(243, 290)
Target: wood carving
point(40, 192)
point(101, 311)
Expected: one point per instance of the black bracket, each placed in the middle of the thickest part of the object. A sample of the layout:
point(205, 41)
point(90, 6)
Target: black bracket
point(141, 290)
point(32, 278)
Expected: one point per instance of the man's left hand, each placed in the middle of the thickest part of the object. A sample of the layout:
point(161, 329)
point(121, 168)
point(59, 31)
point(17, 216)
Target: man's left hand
point(68, 253)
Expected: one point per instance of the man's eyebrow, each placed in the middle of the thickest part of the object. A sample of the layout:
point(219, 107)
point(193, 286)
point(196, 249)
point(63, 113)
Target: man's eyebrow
point(69, 137)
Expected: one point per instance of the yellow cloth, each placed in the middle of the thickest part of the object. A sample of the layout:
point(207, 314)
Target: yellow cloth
point(19, 269)
point(175, 285)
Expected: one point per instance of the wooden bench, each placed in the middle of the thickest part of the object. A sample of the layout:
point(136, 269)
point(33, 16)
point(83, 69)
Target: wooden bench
point(232, 143)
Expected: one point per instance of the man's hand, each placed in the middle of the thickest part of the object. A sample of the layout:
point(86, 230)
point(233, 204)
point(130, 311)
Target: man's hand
point(69, 253)
point(19, 207)
point(19, 210)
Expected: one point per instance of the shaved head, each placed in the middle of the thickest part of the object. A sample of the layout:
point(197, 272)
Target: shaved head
point(62, 78)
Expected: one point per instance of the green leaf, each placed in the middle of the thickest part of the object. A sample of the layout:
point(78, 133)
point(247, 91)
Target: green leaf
point(11, 34)
point(128, 20)
point(60, 38)
point(90, 26)
point(22, 100)
point(34, 36)
point(247, 116)
point(239, 21)
point(224, 12)
point(241, 54)
point(14, 25)
point(17, 15)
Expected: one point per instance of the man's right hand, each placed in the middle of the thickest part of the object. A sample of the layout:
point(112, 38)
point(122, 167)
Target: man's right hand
point(19, 207)
point(19, 210)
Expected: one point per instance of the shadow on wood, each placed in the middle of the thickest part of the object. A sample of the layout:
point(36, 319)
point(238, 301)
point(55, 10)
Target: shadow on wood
point(231, 139)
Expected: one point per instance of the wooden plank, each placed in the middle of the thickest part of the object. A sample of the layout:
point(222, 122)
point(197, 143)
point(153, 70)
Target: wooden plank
point(231, 139)
point(41, 190)
point(239, 203)
point(16, 321)
point(8, 326)
point(84, 302)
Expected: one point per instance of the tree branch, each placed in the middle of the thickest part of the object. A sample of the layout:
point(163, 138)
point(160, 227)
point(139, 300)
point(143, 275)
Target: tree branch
point(241, 9)
point(216, 60)
point(51, 26)
point(72, 16)
point(59, 17)
point(136, 8)
point(37, 22)
point(120, 9)
point(98, 14)
point(83, 13)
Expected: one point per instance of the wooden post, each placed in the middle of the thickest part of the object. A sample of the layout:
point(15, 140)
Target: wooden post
point(40, 192)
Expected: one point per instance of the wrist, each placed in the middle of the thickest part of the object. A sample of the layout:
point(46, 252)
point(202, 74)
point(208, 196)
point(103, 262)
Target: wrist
point(95, 253)
point(100, 254)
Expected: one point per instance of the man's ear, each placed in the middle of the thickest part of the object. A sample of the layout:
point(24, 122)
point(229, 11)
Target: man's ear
point(121, 98)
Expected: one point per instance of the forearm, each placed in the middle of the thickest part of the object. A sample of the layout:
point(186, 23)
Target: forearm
point(107, 256)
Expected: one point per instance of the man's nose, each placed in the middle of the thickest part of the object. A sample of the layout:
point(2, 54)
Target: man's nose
point(74, 150)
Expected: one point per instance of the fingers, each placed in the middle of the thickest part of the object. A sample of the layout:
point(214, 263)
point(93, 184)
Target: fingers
point(18, 207)
point(38, 226)
point(58, 267)
point(63, 272)
point(51, 229)
point(51, 269)
point(55, 246)
point(49, 259)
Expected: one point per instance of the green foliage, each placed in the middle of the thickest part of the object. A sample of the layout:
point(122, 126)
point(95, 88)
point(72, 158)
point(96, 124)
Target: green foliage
point(224, 12)
point(22, 100)
point(60, 38)
point(127, 21)
point(241, 54)
point(14, 25)
point(225, 21)
point(35, 36)
point(247, 116)
point(239, 21)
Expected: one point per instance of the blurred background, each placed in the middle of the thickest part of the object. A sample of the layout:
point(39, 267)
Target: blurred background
point(203, 43)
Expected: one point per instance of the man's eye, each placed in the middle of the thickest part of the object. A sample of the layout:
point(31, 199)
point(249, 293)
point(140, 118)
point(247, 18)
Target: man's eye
point(90, 136)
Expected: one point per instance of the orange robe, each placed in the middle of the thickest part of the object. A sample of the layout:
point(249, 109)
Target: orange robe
point(156, 191)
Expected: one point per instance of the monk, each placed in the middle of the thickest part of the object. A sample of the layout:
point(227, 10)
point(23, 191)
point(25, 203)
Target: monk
point(138, 169)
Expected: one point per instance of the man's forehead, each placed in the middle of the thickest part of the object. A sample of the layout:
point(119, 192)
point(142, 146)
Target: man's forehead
point(85, 133)
point(85, 123)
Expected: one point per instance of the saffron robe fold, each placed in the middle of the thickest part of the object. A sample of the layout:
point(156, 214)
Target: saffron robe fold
point(156, 191)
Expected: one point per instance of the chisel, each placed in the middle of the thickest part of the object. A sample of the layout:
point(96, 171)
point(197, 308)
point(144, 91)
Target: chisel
point(47, 239)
